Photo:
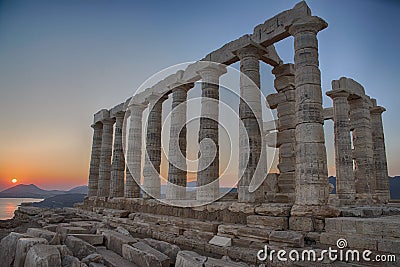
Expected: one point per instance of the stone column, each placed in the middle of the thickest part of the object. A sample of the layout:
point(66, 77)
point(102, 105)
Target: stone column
point(345, 186)
point(118, 161)
point(250, 114)
point(151, 170)
point(360, 119)
point(382, 189)
point(95, 159)
point(105, 158)
point(177, 144)
point(134, 151)
point(311, 172)
point(284, 101)
point(208, 170)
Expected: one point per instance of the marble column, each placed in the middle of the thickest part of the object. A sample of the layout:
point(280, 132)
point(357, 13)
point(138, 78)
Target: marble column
point(208, 168)
point(105, 158)
point(360, 119)
point(285, 103)
point(176, 188)
point(151, 170)
point(311, 172)
point(345, 186)
point(134, 151)
point(250, 114)
point(118, 161)
point(95, 159)
point(382, 189)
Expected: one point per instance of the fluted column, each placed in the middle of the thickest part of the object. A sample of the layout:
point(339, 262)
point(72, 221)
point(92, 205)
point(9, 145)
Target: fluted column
point(105, 158)
point(285, 103)
point(345, 186)
point(95, 159)
point(311, 162)
point(177, 174)
point(382, 189)
point(151, 170)
point(250, 114)
point(360, 120)
point(118, 162)
point(134, 151)
point(208, 168)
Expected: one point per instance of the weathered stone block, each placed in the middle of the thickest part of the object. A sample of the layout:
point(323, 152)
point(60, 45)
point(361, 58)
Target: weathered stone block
point(115, 240)
point(91, 238)
point(272, 209)
point(112, 259)
point(79, 248)
point(166, 248)
point(305, 224)
point(39, 232)
point(389, 245)
point(221, 241)
point(270, 222)
point(144, 255)
point(42, 256)
point(23, 246)
point(8, 246)
point(286, 238)
point(189, 259)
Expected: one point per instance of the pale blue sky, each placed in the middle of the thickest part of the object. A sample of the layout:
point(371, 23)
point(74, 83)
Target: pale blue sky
point(61, 61)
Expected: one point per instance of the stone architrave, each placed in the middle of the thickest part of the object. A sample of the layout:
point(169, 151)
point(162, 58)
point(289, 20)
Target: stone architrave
point(208, 170)
point(95, 159)
point(311, 172)
point(134, 151)
point(105, 158)
point(151, 170)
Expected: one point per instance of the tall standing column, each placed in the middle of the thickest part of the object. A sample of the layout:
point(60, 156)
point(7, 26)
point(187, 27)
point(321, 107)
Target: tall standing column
point(285, 103)
point(360, 119)
point(151, 170)
point(134, 151)
point(105, 158)
point(118, 162)
point(345, 186)
point(176, 188)
point(208, 168)
point(381, 172)
point(250, 114)
point(95, 159)
point(311, 162)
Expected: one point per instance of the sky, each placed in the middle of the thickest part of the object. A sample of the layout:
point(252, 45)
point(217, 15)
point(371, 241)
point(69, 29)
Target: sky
point(62, 61)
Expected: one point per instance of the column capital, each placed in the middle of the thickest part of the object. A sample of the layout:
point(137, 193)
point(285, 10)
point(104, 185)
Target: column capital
point(97, 126)
point(108, 121)
point(308, 24)
point(377, 110)
point(181, 86)
point(119, 115)
point(338, 93)
point(136, 107)
point(250, 50)
point(284, 70)
point(154, 98)
point(211, 69)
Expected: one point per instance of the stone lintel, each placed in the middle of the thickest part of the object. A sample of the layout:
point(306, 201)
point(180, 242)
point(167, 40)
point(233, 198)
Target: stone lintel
point(275, 29)
point(117, 110)
point(101, 115)
point(327, 113)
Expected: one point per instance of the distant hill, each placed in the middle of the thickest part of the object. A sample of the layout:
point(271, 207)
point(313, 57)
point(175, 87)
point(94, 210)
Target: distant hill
point(60, 201)
point(394, 184)
point(32, 191)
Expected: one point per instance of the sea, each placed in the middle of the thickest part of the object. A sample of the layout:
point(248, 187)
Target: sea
point(9, 205)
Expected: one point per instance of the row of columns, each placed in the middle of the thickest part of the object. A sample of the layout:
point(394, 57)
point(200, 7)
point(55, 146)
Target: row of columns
point(367, 178)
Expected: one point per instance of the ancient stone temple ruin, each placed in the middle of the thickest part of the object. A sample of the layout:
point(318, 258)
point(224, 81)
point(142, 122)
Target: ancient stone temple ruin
point(292, 208)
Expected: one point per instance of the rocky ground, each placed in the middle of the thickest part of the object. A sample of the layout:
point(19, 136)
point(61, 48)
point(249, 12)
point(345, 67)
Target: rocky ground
point(62, 237)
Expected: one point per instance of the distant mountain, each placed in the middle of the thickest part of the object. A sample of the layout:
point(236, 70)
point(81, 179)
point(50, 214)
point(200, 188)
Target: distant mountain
point(32, 191)
point(79, 190)
point(394, 184)
point(60, 201)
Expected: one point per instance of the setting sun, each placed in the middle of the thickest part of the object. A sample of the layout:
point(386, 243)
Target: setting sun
point(14, 181)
